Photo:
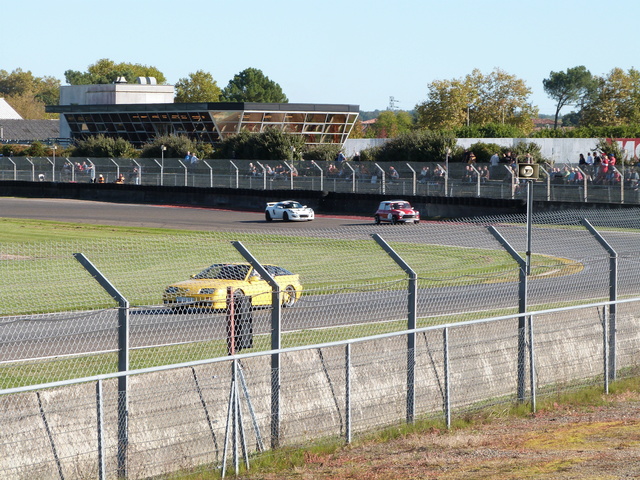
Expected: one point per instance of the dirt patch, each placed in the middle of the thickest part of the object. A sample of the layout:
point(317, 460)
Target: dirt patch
point(6, 256)
point(590, 443)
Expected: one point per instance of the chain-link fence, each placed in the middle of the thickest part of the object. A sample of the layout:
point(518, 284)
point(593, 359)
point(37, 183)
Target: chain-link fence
point(378, 324)
point(430, 179)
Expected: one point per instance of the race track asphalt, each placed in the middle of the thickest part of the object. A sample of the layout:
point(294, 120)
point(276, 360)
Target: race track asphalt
point(157, 216)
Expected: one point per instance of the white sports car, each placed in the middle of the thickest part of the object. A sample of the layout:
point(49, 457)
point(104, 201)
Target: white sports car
point(289, 210)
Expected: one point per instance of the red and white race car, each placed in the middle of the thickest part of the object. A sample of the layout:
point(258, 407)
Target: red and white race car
point(396, 211)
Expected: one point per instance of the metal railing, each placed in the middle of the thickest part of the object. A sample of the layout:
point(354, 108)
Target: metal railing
point(453, 180)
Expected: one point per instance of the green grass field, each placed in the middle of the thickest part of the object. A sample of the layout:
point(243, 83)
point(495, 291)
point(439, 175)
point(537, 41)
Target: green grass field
point(39, 275)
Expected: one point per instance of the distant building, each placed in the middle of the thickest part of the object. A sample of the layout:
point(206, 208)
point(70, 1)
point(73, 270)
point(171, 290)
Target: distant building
point(7, 112)
point(14, 129)
point(367, 124)
point(142, 111)
point(544, 123)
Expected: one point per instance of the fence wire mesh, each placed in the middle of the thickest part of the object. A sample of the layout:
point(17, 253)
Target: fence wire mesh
point(58, 323)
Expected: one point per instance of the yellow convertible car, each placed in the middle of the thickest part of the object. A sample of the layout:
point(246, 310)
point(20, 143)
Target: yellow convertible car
point(209, 287)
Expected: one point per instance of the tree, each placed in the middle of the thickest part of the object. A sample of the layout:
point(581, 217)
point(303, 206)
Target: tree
point(251, 85)
point(27, 94)
point(107, 71)
point(197, 87)
point(568, 88)
point(615, 100)
point(390, 124)
point(29, 107)
point(477, 99)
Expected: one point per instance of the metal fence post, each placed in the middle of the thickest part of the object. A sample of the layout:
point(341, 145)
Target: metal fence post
point(102, 473)
point(548, 183)
point(353, 176)
point(186, 172)
point(210, 174)
point(412, 308)
point(237, 173)
point(382, 179)
point(413, 179)
point(532, 365)
point(447, 387)
point(522, 308)
point(276, 340)
point(613, 294)
point(123, 360)
point(585, 194)
point(347, 391)
point(321, 174)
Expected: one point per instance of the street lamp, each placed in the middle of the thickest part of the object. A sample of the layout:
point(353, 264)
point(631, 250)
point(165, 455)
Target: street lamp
point(54, 162)
point(446, 177)
point(162, 150)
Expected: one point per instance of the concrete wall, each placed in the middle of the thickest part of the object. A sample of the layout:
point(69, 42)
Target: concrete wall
point(559, 150)
point(177, 418)
point(244, 199)
point(115, 93)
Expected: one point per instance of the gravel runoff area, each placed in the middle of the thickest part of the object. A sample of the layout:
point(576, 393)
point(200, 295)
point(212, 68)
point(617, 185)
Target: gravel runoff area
point(600, 442)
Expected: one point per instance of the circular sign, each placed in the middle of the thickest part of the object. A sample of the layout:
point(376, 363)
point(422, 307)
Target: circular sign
point(527, 171)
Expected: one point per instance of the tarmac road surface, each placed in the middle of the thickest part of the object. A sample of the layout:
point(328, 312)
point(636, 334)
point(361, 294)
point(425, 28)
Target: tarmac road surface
point(157, 216)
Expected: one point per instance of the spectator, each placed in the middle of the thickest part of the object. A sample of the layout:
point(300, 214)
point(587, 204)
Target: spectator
point(134, 176)
point(485, 174)
point(469, 157)
point(494, 161)
point(634, 179)
point(589, 164)
point(425, 175)
point(394, 176)
point(269, 171)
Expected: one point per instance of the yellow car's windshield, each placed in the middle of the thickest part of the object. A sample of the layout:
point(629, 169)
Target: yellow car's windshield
point(224, 272)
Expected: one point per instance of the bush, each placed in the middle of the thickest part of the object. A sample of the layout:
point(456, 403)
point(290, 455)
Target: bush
point(490, 130)
point(484, 151)
point(369, 154)
point(621, 131)
point(271, 144)
point(14, 150)
point(608, 148)
point(105, 147)
point(521, 149)
point(176, 146)
point(323, 153)
point(418, 146)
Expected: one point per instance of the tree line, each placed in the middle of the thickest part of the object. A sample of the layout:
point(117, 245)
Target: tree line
point(477, 105)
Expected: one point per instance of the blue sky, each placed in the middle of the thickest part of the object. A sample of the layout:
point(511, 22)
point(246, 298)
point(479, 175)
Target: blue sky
point(335, 51)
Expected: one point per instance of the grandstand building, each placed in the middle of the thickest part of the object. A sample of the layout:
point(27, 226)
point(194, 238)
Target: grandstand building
point(142, 111)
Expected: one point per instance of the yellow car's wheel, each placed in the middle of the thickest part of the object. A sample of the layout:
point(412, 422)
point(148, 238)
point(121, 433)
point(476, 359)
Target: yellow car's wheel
point(289, 296)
